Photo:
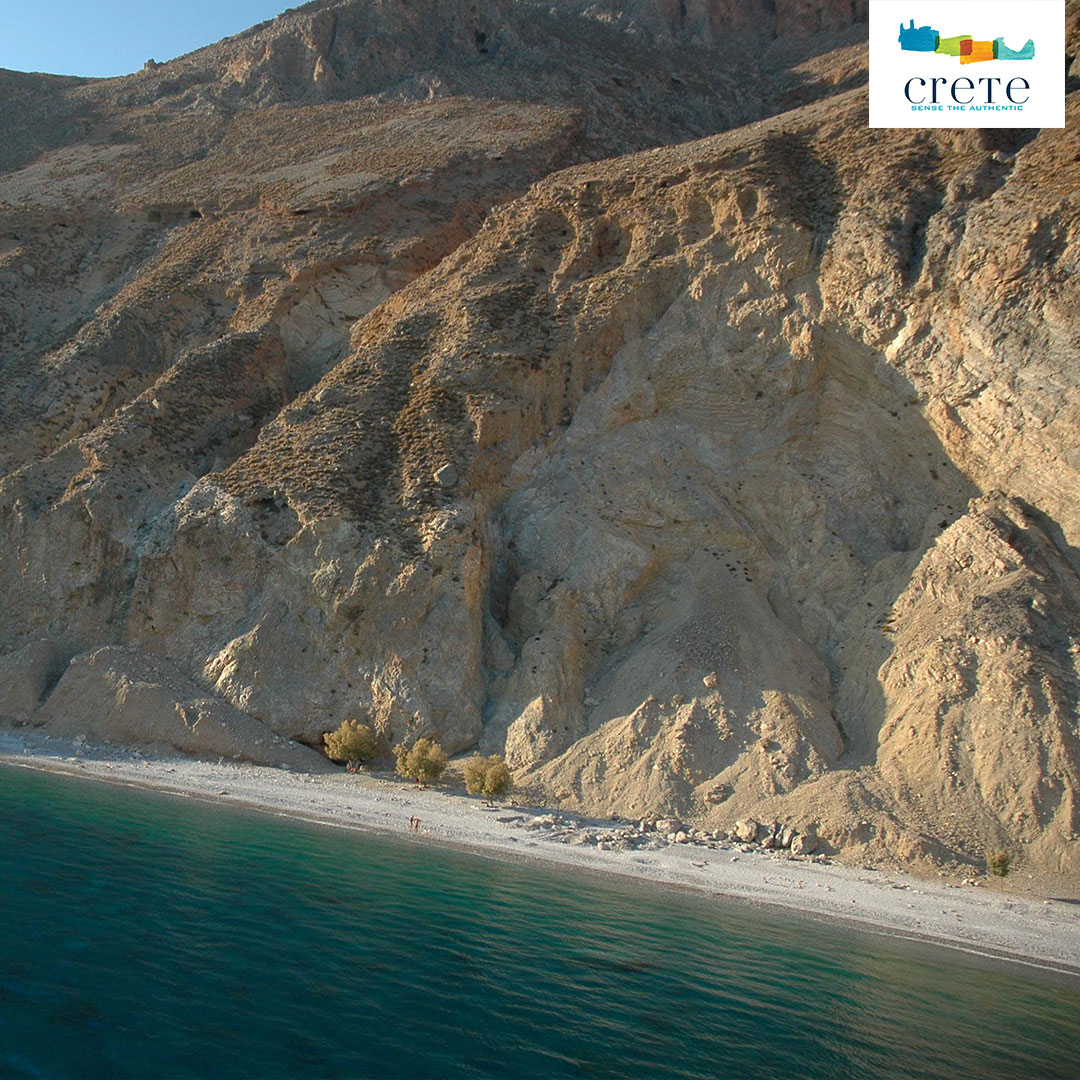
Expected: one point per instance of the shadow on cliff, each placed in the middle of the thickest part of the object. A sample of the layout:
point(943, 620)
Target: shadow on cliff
point(38, 116)
point(803, 187)
point(914, 492)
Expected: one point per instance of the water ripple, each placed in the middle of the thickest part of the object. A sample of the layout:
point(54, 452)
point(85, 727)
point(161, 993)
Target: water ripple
point(151, 936)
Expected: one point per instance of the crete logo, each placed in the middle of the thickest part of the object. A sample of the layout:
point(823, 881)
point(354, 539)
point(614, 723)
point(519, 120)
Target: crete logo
point(1008, 72)
point(970, 51)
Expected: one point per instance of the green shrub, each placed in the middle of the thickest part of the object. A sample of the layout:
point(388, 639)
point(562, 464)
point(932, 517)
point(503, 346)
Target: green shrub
point(998, 863)
point(423, 762)
point(352, 742)
point(475, 774)
point(487, 776)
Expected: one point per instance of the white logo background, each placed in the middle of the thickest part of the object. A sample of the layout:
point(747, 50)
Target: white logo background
point(1014, 20)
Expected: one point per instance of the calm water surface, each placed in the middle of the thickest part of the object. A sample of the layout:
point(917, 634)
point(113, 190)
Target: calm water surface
point(149, 936)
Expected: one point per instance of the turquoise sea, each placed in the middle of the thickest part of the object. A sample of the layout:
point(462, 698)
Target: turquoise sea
point(143, 935)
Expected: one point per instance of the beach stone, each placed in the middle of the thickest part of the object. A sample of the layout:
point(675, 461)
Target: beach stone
point(681, 838)
point(711, 681)
point(669, 825)
point(746, 831)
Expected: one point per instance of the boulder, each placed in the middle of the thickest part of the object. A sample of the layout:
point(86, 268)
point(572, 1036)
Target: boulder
point(447, 476)
point(720, 793)
point(746, 831)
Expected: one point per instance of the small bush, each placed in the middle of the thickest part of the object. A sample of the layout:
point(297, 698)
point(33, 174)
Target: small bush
point(487, 776)
point(998, 863)
point(424, 762)
point(352, 742)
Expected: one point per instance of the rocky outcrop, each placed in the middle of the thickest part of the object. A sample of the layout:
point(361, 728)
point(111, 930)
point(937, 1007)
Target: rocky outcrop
point(126, 696)
point(733, 480)
point(721, 23)
point(980, 731)
point(27, 675)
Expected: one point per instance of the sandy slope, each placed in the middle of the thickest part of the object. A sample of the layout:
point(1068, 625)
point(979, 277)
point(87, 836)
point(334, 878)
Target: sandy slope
point(983, 920)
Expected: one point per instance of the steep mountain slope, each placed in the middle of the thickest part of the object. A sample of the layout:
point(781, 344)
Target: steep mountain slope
point(735, 477)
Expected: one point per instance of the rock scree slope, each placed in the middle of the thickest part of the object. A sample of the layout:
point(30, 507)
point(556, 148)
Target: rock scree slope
point(583, 382)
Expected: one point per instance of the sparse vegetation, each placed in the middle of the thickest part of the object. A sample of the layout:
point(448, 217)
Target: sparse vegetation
point(998, 863)
point(488, 777)
point(352, 743)
point(425, 761)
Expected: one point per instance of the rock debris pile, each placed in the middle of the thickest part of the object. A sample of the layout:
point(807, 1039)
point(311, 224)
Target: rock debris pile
point(654, 835)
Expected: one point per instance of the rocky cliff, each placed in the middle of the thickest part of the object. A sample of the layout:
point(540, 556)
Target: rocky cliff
point(582, 382)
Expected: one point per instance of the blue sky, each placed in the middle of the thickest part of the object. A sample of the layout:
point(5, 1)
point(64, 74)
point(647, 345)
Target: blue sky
point(116, 37)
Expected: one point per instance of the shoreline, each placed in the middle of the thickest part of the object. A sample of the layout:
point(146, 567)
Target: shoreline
point(1001, 926)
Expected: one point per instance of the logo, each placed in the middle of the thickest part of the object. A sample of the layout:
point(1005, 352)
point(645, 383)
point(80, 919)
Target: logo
point(931, 75)
point(970, 51)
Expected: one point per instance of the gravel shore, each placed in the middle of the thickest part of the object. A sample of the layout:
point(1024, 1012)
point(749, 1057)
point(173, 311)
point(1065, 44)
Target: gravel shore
point(1045, 932)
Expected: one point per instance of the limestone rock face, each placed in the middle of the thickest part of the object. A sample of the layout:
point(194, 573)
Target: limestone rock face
point(27, 675)
point(126, 696)
point(985, 687)
point(580, 382)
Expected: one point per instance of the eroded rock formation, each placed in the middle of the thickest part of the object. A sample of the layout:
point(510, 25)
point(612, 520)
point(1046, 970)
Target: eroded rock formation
point(732, 476)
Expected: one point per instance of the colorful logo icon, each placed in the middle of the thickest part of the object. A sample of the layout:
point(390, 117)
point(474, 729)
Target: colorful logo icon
point(1006, 73)
point(925, 39)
